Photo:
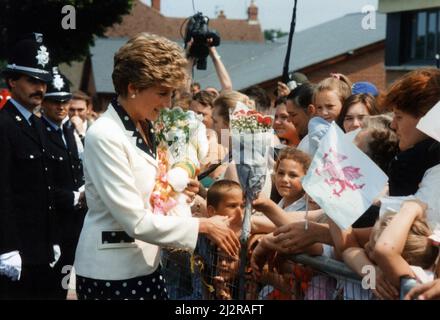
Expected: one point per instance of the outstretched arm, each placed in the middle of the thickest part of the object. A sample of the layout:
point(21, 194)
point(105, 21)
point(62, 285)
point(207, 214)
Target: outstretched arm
point(222, 73)
point(357, 259)
point(278, 216)
point(349, 238)
point(390, 245)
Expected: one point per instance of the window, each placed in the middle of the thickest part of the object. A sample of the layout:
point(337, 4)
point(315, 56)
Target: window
point(424, 42)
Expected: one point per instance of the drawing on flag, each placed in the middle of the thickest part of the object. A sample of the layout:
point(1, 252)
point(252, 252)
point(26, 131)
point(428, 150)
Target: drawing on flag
point(342, 179)
point(338, 174)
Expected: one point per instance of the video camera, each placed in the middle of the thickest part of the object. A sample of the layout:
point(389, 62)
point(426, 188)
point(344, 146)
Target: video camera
point(197, 29)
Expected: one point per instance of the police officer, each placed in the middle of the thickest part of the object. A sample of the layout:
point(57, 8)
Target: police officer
point(68, 173)
point(27, 240)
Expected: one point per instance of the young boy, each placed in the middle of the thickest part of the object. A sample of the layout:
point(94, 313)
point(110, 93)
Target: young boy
point(219, 271)
point(225, 198)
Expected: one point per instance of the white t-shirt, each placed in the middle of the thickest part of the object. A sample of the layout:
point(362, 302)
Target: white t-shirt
point(298, 205)
point(429, 193)
point(304, 145)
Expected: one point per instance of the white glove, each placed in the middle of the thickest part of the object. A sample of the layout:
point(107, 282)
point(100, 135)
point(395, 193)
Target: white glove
point(56, 254)
point(76, 195)
point(10, 265)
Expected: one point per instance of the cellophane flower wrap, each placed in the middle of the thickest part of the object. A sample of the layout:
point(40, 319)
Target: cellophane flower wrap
point(251, 138)
point(182, 147)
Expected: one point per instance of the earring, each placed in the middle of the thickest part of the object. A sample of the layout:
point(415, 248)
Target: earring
point(133, 96)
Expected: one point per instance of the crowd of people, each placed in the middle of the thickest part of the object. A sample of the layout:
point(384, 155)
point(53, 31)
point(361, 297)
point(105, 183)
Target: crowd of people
point(76, 185)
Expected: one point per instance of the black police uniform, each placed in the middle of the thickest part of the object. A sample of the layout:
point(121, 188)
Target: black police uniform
point(68, 177)
point(27, 215)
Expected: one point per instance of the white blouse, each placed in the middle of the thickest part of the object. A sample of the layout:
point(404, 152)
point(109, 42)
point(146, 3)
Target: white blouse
point(298, 205)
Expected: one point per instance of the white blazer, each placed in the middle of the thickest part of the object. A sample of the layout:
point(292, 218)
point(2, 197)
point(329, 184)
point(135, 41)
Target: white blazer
point(119, 181)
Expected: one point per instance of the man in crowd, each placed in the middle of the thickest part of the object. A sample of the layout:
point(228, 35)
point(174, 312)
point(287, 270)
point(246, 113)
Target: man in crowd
point(79, 111)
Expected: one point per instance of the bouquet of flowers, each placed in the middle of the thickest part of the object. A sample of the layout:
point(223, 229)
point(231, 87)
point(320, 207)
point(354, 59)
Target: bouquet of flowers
point(249, 121)
point(182, 146)
point(252, 137)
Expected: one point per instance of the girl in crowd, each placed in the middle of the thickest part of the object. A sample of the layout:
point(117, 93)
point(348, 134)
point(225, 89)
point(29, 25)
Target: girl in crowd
point(223, 105)
point(355, 110)
point(291, 166)
point(328, 97)
point(416, 256)
point(202, 104)
point(378, 141)
point(284, 129)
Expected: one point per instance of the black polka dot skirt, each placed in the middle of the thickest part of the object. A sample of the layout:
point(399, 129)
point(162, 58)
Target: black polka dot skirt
point(151, 287)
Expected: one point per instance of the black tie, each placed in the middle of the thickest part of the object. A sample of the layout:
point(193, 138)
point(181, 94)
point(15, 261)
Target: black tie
point(60, 134)
point(32, 119)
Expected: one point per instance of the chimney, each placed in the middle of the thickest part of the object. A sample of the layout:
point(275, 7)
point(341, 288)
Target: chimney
point(252, 13)
point(221, 15)
point(155, 4)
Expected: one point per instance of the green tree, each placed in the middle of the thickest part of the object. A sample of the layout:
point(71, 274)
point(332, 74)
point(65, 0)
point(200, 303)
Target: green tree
point(93, 17)
point(272, 34)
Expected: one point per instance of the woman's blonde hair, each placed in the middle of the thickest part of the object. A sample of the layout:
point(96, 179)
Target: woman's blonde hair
point(227, 101)
point(338, 83)
point(147, 60)
point(418, 250)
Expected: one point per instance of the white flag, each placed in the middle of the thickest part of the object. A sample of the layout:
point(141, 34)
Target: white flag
point(342, 179)
point(429, 122)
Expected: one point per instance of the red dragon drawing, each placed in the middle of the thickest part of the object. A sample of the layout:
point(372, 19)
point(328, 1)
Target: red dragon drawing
point(338, 174)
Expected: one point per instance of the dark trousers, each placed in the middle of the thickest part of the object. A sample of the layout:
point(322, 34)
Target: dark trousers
point(37, 282)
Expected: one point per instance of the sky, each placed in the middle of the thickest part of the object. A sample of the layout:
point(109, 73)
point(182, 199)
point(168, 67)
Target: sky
point(273, 14)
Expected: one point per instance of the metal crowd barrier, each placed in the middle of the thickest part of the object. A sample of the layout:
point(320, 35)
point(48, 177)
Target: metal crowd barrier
point(208, 275)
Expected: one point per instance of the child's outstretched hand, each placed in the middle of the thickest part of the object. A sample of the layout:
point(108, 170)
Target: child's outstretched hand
point(260, 256)
point(222, 291)
point(263, 204)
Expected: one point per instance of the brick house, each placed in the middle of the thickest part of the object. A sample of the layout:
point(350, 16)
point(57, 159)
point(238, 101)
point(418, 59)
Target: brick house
point(145, 18)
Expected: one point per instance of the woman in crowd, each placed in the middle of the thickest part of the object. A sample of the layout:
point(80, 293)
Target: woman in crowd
point(355, 110)
point(284, 129)
point(411, 97)
point(118, 252)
